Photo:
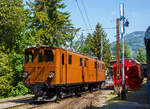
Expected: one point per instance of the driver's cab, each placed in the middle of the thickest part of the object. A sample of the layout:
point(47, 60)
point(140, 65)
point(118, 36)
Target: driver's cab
point(39, 64)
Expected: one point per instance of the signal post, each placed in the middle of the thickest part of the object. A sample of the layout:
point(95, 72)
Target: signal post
point(123, 22)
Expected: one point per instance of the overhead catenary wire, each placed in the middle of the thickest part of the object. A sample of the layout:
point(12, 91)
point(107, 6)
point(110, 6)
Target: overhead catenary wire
point(84, 8)
point(94, 29)
point(82, 16)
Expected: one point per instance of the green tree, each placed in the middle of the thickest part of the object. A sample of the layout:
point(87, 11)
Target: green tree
point(141, 56)
point(51, 25)
point(86, 47)
point(17, 55)
point(6, 74)
point(78, 43)
point(14, 35)
point(11, 22)
point(92, 45)
point(96, 45)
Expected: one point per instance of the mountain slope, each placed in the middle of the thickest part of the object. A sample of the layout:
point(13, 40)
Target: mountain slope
point(135, 40)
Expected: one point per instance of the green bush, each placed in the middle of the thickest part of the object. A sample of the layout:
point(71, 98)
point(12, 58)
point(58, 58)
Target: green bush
point(6, 74)
point(19, 90)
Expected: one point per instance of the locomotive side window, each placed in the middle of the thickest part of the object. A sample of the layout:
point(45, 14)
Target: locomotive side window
point(40, 57)
point(62, 59)
point(29, 57)
point(85, 62)
point(80, 61)
point(70, 59)
point(49, 56)
point(95, 64)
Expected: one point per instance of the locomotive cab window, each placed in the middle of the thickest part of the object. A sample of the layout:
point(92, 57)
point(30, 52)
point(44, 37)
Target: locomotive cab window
point(29, 57)
point(49, 56)
point(70, 59)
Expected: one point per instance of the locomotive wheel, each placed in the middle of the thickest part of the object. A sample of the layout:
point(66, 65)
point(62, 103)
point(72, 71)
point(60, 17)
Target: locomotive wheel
point(52, 98)
point(37, 90)
point(100, 86)
point(60, 95)
point(77, 92)
point(90, 89)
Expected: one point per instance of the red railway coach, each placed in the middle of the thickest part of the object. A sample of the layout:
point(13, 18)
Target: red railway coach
point(133, 75)
point(52, 72)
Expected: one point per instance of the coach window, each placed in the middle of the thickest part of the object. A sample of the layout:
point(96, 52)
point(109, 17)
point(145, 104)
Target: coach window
point(70, 59)
point(80, 61)
point(49, 56)
point(29, 57)
point(62, 59)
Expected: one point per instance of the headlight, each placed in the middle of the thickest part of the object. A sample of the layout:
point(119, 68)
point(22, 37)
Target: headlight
point(51, 74)
point(25, 74)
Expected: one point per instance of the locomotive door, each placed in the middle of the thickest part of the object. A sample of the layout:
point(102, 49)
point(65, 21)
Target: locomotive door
point(38, 66)
point(85, 70)
point(63, 72)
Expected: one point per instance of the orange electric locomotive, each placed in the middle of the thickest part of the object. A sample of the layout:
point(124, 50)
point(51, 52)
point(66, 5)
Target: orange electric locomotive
point(53, 72)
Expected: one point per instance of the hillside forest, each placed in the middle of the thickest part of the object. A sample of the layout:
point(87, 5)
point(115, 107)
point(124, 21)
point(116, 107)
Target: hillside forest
point(41, 22)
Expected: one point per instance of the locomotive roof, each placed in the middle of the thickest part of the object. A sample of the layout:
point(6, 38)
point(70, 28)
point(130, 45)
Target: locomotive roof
point(45, 46)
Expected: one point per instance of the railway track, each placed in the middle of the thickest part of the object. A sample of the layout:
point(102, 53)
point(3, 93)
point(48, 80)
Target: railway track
point(15, 102)
point(17, 99)
point(82, 102)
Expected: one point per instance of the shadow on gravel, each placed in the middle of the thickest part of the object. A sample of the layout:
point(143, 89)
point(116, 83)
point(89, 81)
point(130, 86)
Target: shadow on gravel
point(32, 102)
point(135, 100)
point(23, 101)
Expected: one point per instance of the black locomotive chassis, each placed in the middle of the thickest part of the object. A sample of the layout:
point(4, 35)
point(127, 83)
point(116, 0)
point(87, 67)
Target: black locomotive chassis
point(51, 92)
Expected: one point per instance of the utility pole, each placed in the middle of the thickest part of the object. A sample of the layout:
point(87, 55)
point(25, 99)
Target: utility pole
point(123, 22)
point(117, 87)
point(101, 48)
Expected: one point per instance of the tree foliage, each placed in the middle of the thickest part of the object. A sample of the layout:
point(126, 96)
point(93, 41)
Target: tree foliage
point(6, 74)
point(11, 21)
point(50, 25)
point(92, 45)
point(13, 39)
point(96, 45)
point(141, 56)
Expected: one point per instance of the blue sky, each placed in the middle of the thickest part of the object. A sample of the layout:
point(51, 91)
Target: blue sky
point(106, 11)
